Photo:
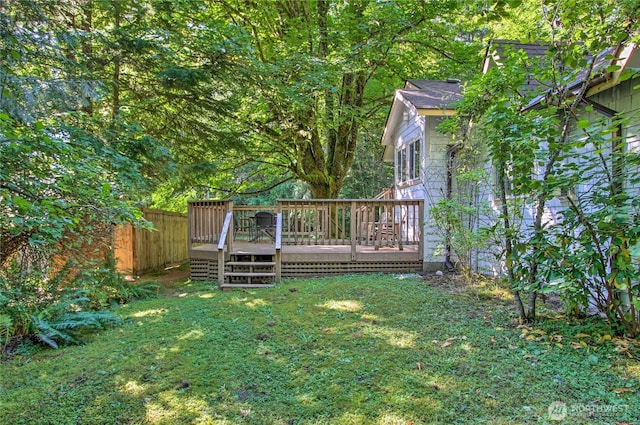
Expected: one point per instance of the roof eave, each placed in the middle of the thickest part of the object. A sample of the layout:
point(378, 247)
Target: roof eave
point(599, 83)
point(392, 122)
point(444, 112)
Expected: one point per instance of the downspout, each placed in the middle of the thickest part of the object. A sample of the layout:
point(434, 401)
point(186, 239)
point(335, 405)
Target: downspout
point(452, 150)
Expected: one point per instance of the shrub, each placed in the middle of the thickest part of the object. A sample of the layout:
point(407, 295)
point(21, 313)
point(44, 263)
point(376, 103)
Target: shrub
point(53, 308)
point(106, 288)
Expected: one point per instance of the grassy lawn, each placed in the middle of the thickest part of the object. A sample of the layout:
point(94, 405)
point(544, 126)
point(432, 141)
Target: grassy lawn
point(369, 349)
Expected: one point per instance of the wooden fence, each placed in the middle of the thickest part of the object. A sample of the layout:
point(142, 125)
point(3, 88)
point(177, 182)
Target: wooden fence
point(139, 251)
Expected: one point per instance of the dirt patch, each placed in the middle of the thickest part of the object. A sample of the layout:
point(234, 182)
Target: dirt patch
point(167, 276)
point(450, 282)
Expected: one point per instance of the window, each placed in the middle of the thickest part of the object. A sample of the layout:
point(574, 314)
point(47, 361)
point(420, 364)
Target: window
point(408, 162)
point(401, 165)
point(414, 160)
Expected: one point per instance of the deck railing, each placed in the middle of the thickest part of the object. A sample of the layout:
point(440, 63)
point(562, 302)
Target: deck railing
point(206, 219)
point(376, 222)
point(364, 222)
point(243, 219)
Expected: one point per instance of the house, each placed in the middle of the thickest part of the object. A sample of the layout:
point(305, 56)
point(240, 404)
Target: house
point(426, 160)
point(420, 152)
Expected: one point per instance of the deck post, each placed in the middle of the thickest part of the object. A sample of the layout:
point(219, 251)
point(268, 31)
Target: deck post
point(220, 268)
point(231, 234)
point(278, 244)
point(224, 236)
point(189, 230)
point(354, 230)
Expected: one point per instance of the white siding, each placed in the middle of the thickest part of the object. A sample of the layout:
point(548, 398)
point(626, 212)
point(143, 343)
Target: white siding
point(433, 171)
point(621, 98)
point(434, 181)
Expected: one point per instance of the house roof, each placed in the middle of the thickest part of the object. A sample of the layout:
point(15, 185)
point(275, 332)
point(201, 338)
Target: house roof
point(497, 50)
point(601, 78)
point(420, 97)
point(432, 94)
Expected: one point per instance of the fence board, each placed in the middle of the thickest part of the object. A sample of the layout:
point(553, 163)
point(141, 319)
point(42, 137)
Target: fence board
point(138, 250)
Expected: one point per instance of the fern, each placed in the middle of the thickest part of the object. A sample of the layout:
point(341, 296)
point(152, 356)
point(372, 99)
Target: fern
point(52, 331)
point(86, 320)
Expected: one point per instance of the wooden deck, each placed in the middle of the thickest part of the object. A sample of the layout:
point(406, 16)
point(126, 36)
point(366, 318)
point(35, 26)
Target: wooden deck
point(310, 238)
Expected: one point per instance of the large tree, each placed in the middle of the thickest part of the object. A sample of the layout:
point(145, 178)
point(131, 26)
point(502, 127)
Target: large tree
point(57, 176)
point(316, 71)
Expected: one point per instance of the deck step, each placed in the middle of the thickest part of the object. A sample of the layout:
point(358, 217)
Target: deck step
point(251, 263)
point(246, 285)
point(250, 274)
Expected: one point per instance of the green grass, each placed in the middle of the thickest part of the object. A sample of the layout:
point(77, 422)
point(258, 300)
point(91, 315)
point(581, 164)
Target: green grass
point(369, 349)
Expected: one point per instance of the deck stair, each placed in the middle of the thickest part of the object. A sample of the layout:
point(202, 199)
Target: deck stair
point(245, 270)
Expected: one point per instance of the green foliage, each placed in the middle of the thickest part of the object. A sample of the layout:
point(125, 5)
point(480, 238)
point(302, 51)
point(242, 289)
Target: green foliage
point(358, 349)
point(105, 288)
point(61, 167)
point(37, 306)
point(368, 176)
point(326, 69)
point(456, 215)
point(58, 307)
point(538, 153)
point(591, 251)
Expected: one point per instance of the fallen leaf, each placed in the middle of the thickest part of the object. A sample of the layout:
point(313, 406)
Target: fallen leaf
point(419, 365)
point(446, 344)
point(623, 390)
point(581, 335)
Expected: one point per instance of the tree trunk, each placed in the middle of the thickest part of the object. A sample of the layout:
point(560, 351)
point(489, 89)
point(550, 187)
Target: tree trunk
point(115, 106)
point(87, 48)
point(508, 243)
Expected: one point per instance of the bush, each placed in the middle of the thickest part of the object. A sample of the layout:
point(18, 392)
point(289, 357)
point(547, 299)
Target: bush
point(53, 308)
point(106, 288)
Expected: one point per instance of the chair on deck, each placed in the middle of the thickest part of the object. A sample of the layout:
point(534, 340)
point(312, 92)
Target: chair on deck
point(265, 225)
